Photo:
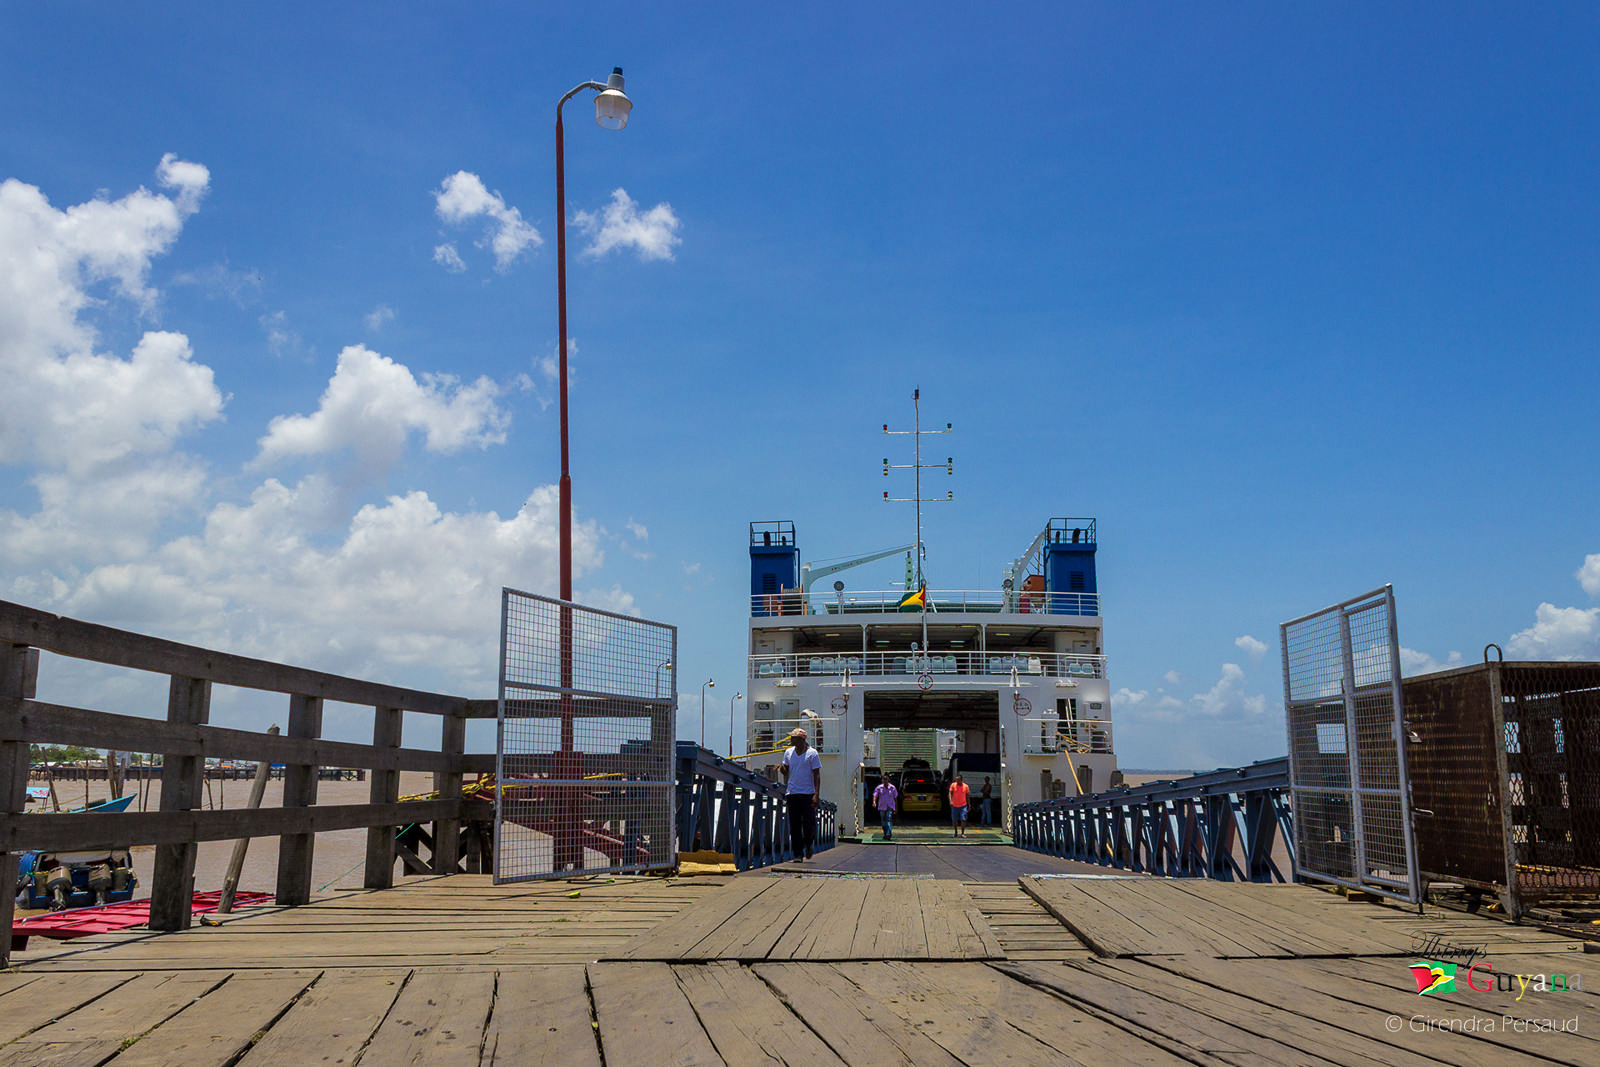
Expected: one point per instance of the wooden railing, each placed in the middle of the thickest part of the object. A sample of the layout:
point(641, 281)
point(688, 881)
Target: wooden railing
point(186, 740)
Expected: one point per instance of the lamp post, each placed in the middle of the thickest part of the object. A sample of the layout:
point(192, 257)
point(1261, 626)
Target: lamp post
point(611, 107)
point(731, 701)
point(665, 665)
point(707, 684)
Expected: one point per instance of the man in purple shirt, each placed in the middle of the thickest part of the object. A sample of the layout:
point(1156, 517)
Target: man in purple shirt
point(886, 798)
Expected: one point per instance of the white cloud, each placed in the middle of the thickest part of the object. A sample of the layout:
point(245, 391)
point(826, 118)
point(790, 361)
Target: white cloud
point(447, 257)
point(189, 179)
point(281, 340)
point(463, 198)
point(1589, 574)
point(373, 404)
point(130, 531)
point(95, 431)
point(407, 584)
point(1251, 647)
point(1173, 677)
point(653, 234)
point(638, 530)
point(1558, 634)
point(1413, 662)
point(378, 316)
point(1228, 696)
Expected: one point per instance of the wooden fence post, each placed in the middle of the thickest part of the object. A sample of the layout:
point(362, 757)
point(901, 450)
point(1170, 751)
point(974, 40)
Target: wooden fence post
point(19, 672)
point(172, 880)
point(447, 832)
point(295, 851)
point(386, 727)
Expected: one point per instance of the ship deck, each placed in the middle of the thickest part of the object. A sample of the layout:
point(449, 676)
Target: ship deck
point(868, 954)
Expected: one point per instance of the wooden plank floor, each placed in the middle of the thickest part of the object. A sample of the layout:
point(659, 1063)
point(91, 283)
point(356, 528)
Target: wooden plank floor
point(829, 968)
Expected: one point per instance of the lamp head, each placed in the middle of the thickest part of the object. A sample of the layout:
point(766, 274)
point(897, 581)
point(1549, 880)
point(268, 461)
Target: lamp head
point(611, 107)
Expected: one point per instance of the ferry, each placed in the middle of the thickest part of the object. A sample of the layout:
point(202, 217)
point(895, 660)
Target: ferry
point(1007, 684)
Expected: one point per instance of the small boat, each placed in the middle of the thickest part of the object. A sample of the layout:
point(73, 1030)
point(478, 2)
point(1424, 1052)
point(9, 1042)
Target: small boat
point(104, 807)
point(107, 918)
point(99, 807)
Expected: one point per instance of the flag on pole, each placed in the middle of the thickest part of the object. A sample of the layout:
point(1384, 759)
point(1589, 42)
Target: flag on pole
point(917, 601)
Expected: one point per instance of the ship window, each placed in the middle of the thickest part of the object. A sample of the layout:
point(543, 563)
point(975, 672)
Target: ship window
point(1075, 580)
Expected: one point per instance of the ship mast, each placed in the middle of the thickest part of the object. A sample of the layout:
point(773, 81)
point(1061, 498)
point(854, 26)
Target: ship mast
point(916, 433)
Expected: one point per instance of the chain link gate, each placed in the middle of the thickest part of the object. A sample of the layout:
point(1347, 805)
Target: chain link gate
point(1347, 763)
point(584, 752)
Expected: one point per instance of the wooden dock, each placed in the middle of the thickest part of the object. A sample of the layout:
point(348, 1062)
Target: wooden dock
point(841, 965)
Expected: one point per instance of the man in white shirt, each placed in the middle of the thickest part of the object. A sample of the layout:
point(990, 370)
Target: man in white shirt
point(802, 776)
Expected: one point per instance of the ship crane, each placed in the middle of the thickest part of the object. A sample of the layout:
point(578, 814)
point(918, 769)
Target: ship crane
point(809, 574)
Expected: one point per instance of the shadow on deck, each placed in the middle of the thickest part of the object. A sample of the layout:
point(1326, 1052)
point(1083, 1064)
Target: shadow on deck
point(830, 966)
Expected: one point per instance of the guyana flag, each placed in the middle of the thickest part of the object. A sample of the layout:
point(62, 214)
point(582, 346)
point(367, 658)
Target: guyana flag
point(917, 601)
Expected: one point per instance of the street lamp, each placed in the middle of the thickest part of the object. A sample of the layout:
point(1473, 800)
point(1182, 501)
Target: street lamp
point(708, 684)
point(731, 701)
point(611, 109)
point(663, 666)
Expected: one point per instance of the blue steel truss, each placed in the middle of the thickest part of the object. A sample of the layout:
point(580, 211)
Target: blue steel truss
point(1187, 828)
point(725, 808)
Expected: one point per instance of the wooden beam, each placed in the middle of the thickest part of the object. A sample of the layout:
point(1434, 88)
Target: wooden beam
point(447, 832)
point(19, 672)
point(84, 832)
point(386, 729)
point(172, 886)
point(58, 724)
point(105, 644)
point(299, 791)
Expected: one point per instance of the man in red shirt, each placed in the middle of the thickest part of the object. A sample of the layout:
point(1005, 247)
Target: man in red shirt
point(958, 806)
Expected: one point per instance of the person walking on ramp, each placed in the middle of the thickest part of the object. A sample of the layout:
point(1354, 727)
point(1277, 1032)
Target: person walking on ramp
point(886, 798)
point(958, 806)
point(802, 777)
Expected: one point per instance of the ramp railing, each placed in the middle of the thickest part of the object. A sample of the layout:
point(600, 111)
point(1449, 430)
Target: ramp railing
point(725, 808)
point(179, 731)
point(1225, 824)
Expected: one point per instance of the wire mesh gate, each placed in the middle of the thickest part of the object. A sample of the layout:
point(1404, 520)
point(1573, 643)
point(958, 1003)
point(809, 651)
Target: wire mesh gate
point(1347, 766)
point(1505, 767)
point(584, 750)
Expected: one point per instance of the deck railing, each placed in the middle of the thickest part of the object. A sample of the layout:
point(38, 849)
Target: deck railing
point(1071, 665)
point(940, 602)
point(1047, 735)
point(185, 739)
point(825, 733)
point(1187, 828)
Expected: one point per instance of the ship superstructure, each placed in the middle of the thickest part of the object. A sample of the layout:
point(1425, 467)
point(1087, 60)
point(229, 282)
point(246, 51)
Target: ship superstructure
point(1008, 683)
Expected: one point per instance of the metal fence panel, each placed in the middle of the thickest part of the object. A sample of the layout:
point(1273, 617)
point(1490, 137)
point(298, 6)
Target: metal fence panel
point(1348, 776)
point(585, 747)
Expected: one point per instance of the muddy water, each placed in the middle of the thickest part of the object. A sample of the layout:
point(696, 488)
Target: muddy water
point(339, 859)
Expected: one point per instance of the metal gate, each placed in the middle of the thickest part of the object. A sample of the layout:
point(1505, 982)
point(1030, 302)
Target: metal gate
point(584, 753)
point(1347, 765)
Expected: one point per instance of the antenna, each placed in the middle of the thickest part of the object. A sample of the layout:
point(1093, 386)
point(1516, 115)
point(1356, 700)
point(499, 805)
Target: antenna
point(918, 466)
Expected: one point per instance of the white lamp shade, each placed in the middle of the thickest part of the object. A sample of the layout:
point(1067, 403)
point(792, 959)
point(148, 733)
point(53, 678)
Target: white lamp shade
point(611, 109)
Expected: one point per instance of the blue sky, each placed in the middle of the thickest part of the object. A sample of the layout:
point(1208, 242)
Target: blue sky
point(1295, 300)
